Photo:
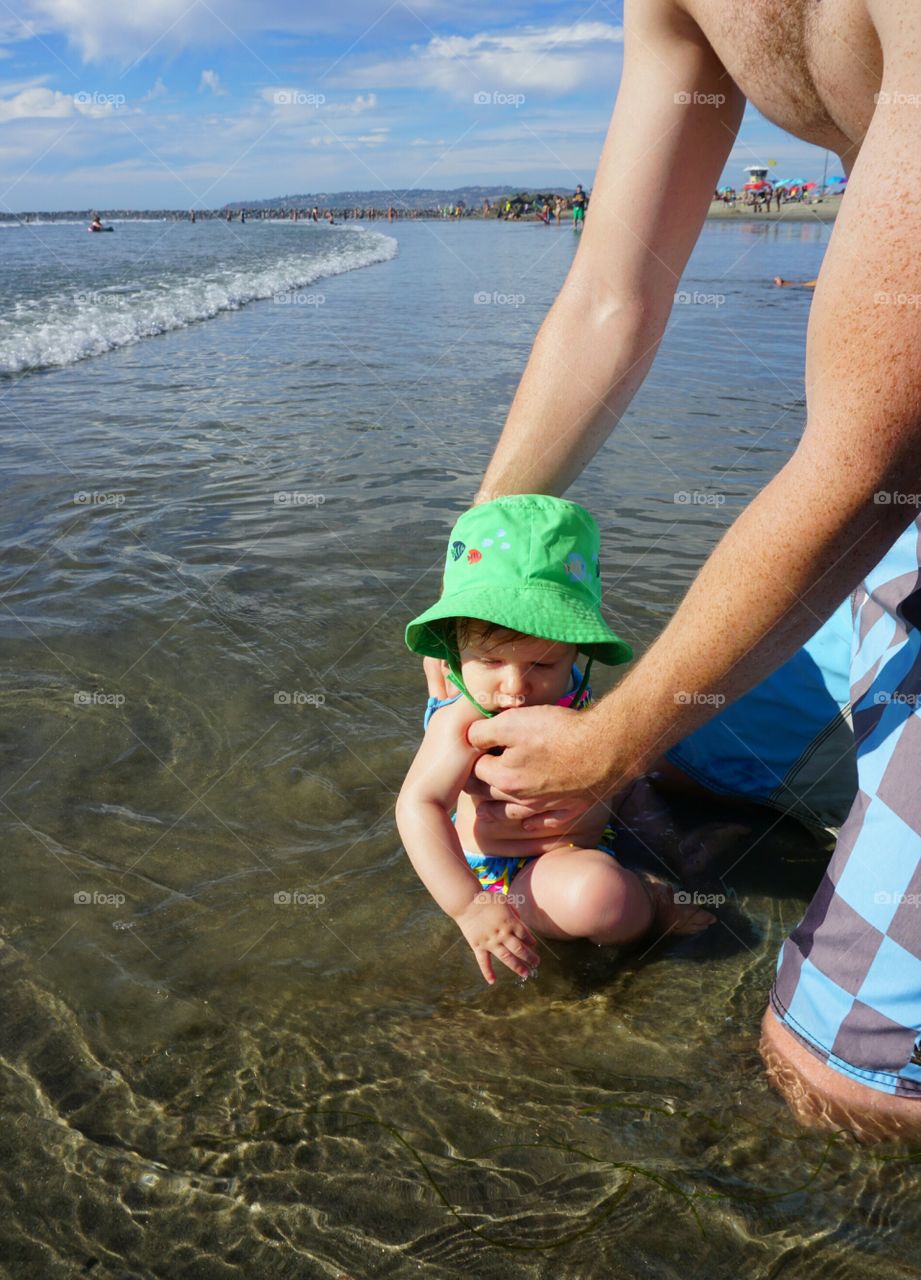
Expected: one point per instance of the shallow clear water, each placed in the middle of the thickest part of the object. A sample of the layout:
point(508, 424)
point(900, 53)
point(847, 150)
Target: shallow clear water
point(206, 704)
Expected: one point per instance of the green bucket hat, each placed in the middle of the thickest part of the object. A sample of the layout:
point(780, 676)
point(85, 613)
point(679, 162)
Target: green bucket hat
point(527, 562)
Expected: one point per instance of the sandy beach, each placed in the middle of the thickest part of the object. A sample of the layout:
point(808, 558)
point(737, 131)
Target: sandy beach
point(825, 211)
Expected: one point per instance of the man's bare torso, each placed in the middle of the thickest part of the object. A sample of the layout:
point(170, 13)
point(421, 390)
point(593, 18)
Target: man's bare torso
point(810, 66)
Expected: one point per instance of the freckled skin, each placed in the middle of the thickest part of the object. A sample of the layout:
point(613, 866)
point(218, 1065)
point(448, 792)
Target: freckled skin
point(843, 74)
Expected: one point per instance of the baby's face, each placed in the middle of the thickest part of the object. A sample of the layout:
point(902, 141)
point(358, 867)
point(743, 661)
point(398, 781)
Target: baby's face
point(524, 671)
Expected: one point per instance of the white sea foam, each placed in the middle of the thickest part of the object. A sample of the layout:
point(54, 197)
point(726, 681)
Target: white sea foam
point(61, 328)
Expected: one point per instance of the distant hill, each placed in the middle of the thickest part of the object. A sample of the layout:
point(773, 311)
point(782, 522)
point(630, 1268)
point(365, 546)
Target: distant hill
point(413, 198)
point(416, 200)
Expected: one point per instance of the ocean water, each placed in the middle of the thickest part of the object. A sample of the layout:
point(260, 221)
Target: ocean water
point(68, 297)
point(238, 1037)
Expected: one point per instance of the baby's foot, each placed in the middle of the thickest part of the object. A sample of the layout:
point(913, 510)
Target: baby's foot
point(674, 911)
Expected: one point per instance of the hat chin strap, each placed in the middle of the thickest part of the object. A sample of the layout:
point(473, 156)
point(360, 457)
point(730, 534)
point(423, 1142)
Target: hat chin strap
point(581, 689)
point(458, 681)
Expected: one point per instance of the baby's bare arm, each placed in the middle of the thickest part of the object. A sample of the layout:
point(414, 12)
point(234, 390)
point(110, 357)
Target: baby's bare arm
point(429, 792)
point(432, 786)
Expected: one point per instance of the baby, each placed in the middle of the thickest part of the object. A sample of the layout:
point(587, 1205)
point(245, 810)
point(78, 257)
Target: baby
point(521, 596)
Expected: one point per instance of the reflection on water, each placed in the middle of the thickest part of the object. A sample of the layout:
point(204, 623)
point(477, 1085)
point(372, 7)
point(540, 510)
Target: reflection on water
point(241, 1040)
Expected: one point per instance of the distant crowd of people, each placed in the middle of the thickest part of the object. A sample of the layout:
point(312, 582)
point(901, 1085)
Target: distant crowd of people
point(548, 208)
point(315, 214)
point(762, 199)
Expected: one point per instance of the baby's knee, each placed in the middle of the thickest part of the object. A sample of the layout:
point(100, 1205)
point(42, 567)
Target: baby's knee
point(609, 901)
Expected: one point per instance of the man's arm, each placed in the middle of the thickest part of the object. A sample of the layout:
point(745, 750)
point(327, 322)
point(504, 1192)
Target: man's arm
point(812, 534)
point(648, 205)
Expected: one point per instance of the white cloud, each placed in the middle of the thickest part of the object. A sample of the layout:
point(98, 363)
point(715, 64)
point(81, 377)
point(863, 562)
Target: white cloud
point(310, 101)
point(129, 32)
point(373, 139)
point(553, 60)
point(157, 90)
point(211, 80)
point(36, 102)
point(363, 102)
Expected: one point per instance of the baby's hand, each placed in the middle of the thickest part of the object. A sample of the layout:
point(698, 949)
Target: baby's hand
point(493, 928)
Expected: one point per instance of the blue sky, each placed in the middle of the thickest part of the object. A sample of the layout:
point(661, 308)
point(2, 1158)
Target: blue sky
point(182, 103)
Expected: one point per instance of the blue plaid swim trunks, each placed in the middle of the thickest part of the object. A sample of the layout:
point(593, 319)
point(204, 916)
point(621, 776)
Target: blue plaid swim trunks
point(789, 742)
point(848, 981)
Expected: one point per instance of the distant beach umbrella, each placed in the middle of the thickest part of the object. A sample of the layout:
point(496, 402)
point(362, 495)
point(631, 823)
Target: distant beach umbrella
point(807, 186)
point(839, 179)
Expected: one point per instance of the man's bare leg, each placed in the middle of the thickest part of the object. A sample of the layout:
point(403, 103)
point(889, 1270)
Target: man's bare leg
point(821, 1098)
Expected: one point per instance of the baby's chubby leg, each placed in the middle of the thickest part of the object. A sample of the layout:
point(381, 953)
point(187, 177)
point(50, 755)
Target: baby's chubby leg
point(586, 893)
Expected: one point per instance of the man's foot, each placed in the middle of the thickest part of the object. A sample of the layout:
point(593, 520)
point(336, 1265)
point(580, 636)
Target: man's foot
point(664, 821)
point(708, 845)
point(674, 911)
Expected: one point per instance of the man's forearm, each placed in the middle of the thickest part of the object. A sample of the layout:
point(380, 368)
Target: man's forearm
point(789, 560)
point(588, 360)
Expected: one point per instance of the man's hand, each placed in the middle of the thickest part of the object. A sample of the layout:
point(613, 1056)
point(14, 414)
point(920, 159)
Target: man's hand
point(493, 927)
point(549, 779)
